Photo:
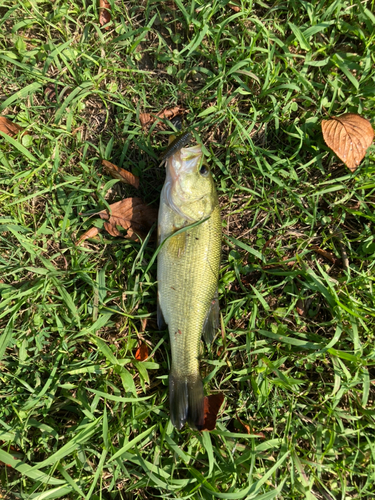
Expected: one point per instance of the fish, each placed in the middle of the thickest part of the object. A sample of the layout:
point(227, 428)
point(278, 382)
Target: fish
point(189, 235)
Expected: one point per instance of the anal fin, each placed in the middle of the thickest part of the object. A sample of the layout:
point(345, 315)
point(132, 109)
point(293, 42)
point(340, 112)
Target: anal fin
point(211, 323)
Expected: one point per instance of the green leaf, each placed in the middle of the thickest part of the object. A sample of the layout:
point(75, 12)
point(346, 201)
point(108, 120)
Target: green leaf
point(130, 444)
point(303, 43)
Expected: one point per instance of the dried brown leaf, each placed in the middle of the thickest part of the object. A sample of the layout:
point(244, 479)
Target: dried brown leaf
point(143, 324)
point(245, 426)
point(111, 229)
point(147, 119)
point(91, 233)
point(349, 136)
point(50, 93)
point(344, 255)
point(121, 174)
point(300, 307)
point(132, 214)
point(141, 353)
point(9, 127)
point(248, 428)
point(268, 243)
point(234, 5)
point(104, 13)
point(132, 235)
point(327, 255)
point(280, 264)
point(212, 405)
point(171, 5)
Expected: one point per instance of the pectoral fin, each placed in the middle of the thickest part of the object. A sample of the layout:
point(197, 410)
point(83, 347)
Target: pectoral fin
point(211, 323)
point(177, 244)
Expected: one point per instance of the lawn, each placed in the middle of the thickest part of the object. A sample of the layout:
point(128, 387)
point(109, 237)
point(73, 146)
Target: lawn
point(80, 416)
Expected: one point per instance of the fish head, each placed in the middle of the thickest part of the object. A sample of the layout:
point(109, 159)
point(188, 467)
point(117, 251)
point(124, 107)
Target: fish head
point(189, 188)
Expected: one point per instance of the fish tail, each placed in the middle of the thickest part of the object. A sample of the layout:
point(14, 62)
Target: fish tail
point(186, 400)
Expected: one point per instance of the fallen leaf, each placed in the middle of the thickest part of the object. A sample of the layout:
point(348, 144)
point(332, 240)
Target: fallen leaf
point(53, 95)
point(220, 351)
point(120, 173)
point(268, 243)
point(50, 93)
point(143, 324)
point(104, 13)
point(349, 136)
point(279, 264)
point(245, 426)
point(91, 233)
point(111, 229)
point(234, 5)
point(147, 119)
point(131, 214)
point(171, 5)
point(355, 206)
point(212, 405)
point(142, 352)
point(327, 255)
point(300, 307)
point(9, 127)
point(344, 255)
point(248, 429)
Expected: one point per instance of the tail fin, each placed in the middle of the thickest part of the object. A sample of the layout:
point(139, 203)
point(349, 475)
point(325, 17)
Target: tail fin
point(186, 400)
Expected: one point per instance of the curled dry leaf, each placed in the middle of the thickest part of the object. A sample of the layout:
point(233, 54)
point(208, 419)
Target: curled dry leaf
point(50, 93)
point(143, 324)
point(9, 127)
point(212, 406)
point(120, 173)
point(147, 119)
point(327, 255)
point(234, 5)
point(91, 233)
point(141, 353)
point(349, 136)
point(268, 243)
point(104, 13)
point(245, 426)
point(248, 429)
point(280, 264)
point(131, 214)
point(300, 307)
point(344, 255)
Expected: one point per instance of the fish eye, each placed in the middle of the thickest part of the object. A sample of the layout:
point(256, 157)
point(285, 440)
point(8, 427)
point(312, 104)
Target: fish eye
point(203, 170)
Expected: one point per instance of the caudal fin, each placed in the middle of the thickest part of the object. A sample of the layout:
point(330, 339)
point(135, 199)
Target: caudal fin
point(186, 400)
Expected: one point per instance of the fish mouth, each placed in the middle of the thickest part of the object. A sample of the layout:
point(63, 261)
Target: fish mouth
point(184, 162)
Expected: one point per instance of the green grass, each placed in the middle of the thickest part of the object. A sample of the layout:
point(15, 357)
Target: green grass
point(79, 416)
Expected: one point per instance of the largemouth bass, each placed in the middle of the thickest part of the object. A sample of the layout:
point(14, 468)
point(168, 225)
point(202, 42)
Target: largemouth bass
point(188, 269)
